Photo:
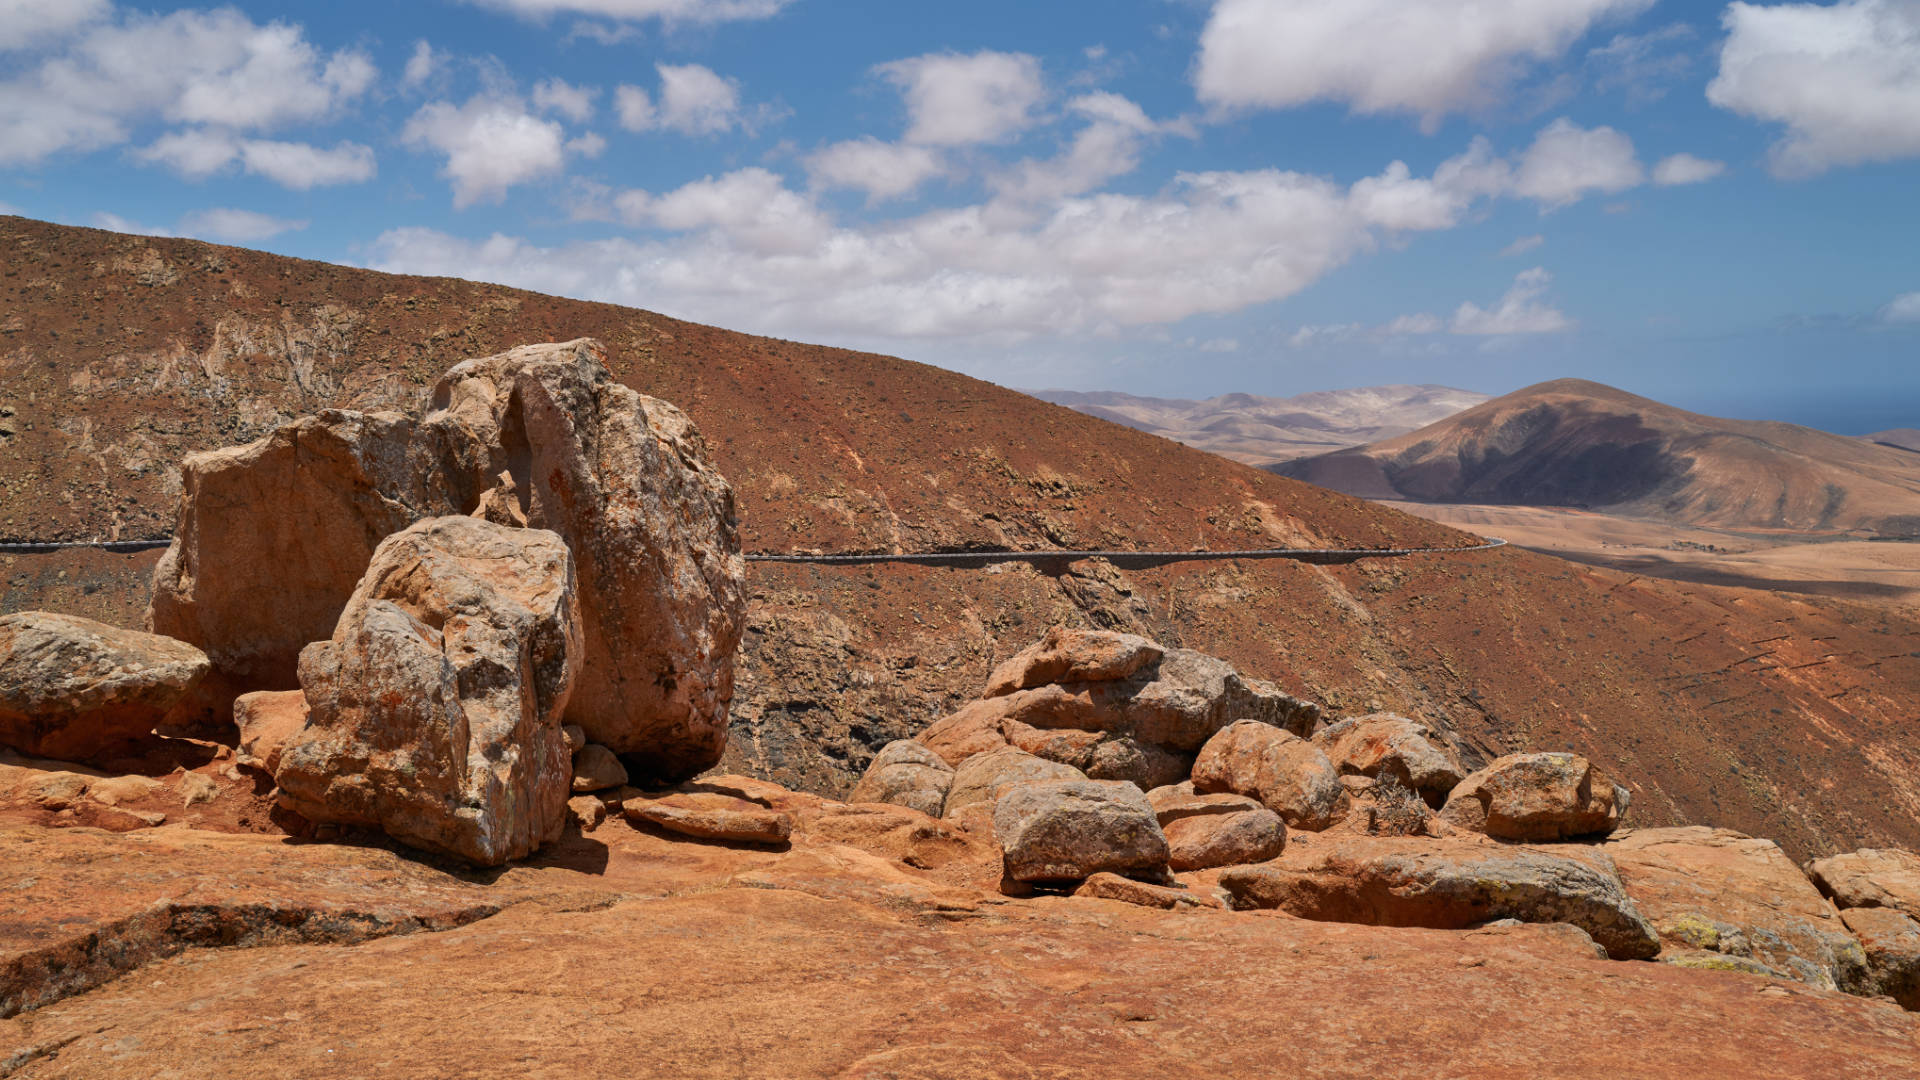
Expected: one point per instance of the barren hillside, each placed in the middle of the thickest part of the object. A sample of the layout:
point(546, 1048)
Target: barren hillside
point(1780, 717)
point(1580, 444)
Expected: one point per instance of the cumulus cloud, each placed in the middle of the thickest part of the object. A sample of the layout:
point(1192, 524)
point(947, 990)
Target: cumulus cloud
point(1425, 57)
point(694, 11)
point(1398, 201)
point(742, 249)
point(956, 100)
point(883, 170)
point(25, 23)
point(573, 102)
point(1108, 146)
point(490, 145)
point(421, 66)
point(1904, 308)
point(215, 68)
point(1519, 311)
point(1686, 169)
point(201, 152)
point(1567, 162)
point(237, 226)
point(693, 100)
point(1843, 78)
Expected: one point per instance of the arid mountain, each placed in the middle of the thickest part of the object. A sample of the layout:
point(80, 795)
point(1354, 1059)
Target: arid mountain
point(1781, 717)
point(1905, 438)
point(1579, 444)
point(1263, 430)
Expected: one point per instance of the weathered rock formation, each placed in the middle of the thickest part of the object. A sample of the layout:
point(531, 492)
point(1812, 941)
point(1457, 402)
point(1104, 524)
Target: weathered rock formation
point(982, 778)
point(1871, 877)
point(273, 536)
point(71, 687)
point(1114, 706)
point(1447, 884)
point(1288, 774)
point(1537, 797)
point(1069, 830)
point(1205, 831)
point(1408, 750)
point(435, 706)
point(267, 719)
point(1720, 898)
point(906, 773)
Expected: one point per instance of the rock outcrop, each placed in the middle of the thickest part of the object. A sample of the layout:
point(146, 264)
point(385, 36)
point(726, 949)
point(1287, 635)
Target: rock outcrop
point(435, 706)
point(272, 537)
point(1870, 877)
point(1115, 706)
point(1288, 774)
point(906, 773)
point(1537, 797)
point(543, 436)
point(1731, 895)
point(1408, 750)
point(1447, 884)
point(71, 688)
point(1068, 830)
point(1891, 941)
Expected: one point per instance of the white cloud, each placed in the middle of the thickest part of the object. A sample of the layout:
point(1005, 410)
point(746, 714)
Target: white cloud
point(744, 250)
point(1642, 65)
point(955, 100)
point(1567, 162)
point(1397, 201)
point(590, 145)
point(882, 170)
point(198, 153)
point(24, 23)
point(1519, 311)
point(238, 226)
point(1904, 308)
point(1686, 169)
point(694, 100)
point(490, 145)
point(116, 223)
point(1844, 79)
point(1107, 147)
point(695, 11)
point(1426, 57)
point(573, 102)
point(420, 66)
point(1522, 245)
point(215, 68)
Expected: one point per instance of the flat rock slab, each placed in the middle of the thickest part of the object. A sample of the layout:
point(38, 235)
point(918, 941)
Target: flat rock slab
point(706, 816)
point(773, 982)
point(1731, 894)
point(1871, 877)
point(81, 906)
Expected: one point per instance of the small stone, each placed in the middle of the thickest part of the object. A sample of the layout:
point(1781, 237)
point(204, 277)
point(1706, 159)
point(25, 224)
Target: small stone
point(196, 788)
point(115, 790)
point(737, 821)
point(586, 812)
point(596, 768)
point(576, 737)
point(1107, 886)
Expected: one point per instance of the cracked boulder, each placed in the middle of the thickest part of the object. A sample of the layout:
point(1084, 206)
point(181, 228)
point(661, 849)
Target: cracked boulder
point(1055, 831)
point(1447, 885)
point(71, 688)
point(1407, 750)
point(434, 707)
point(1286, 773)
point(906, 773)
point(1537, 797)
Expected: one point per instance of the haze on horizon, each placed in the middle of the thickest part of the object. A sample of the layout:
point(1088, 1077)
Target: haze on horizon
point(1710, 204)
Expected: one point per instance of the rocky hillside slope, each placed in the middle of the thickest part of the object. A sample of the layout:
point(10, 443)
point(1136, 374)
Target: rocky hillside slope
point(1779, 717)
point(1262, 430)
point(1576, 443)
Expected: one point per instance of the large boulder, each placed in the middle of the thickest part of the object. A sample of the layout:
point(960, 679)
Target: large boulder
point(1408, 750)
point(1286, 773)
point(1068, 830)
point(273, 537)
point(906, 773)
point(1537, 797)
point(434, 707)
point(1115, 706)
point(1067, 655)
point(983, 777)
point(267, 719)
point(1445, 885)
point(1870, 877)
point(1891, 942)
point(1220, 829)
point(71, 688)
point(1717, 891)
point(543, 436)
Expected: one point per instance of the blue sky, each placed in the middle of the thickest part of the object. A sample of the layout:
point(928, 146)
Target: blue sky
point(1713, 204)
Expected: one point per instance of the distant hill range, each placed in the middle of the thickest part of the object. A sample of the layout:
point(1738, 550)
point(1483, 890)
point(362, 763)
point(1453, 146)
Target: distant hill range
point(1263, 430)
point(1575, 443)
point(1905, 438)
